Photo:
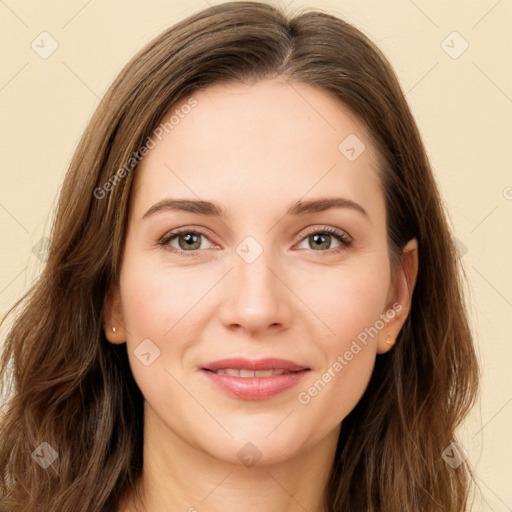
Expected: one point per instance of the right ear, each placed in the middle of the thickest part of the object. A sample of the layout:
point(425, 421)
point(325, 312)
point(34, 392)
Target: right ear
point(113, 316)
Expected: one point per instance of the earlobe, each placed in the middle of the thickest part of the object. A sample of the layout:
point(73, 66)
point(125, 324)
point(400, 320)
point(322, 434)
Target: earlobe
point(400, 303)
point(113, 317)
point(389, 340)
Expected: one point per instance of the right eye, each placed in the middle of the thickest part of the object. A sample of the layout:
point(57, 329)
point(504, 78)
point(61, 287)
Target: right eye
point(188, 240)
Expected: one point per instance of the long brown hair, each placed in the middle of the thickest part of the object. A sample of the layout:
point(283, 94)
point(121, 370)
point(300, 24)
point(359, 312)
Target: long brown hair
point(75, 391)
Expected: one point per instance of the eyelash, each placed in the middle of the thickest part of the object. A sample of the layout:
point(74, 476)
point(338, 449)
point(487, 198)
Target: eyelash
point(344, 239)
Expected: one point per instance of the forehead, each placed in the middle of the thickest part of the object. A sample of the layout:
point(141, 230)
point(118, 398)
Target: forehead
point(261, 144)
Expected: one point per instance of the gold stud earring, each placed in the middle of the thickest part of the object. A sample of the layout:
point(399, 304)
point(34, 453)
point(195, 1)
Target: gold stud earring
point(389, 341)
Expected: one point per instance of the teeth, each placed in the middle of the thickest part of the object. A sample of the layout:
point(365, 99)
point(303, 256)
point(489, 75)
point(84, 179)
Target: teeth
point(267, 373)
point(235, 372)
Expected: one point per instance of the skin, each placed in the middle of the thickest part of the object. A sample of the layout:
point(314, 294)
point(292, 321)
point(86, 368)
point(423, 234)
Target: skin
point(254, 150)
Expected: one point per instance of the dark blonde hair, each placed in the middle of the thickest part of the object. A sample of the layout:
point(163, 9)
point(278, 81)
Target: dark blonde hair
point(75, 391)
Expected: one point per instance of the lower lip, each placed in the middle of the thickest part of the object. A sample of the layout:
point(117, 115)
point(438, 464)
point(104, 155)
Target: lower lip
point(254, 388)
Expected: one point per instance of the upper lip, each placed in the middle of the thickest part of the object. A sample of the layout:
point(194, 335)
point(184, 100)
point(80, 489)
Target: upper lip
point(269, 363)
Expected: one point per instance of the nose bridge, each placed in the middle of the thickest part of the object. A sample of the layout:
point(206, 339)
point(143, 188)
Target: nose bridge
point(255, 280)
point(256, 298)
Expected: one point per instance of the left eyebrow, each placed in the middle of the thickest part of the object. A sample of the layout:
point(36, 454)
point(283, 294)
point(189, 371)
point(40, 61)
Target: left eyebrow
point(322, 204)
point(212, 209)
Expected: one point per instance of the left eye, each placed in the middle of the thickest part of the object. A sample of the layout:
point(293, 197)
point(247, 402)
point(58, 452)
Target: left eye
point(321, 239)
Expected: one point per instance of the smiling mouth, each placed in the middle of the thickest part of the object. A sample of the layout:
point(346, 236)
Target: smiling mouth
point(245, 384)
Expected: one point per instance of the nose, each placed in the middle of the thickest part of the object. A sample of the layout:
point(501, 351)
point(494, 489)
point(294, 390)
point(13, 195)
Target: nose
point(256, 297)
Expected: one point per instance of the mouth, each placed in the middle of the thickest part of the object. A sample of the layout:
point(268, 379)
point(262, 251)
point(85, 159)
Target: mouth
point(254, 365)
point(246, 379)
point(240, 372)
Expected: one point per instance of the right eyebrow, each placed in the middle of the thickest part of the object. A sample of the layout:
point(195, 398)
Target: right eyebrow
point(186, 205)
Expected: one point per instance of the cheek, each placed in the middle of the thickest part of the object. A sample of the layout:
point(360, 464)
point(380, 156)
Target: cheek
point(347, 301)
point(350, 304)
point(155, 302)
point(335, 390)
point(155, 299)
point(161, 304)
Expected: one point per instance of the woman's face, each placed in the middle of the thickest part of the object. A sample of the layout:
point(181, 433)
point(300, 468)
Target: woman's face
point(259, 281)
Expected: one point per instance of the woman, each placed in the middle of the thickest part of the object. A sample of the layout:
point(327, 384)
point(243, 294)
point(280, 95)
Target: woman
point(252, 295)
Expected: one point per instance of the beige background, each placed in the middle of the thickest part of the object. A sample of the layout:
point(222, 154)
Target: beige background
point(463, 107)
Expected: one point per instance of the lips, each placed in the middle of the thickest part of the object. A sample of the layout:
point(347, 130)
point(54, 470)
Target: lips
point(269, 363)
point(247, 379)
point(236, 372)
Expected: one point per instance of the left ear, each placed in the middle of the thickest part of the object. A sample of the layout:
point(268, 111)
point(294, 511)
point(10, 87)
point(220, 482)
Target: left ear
point(399, 297)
